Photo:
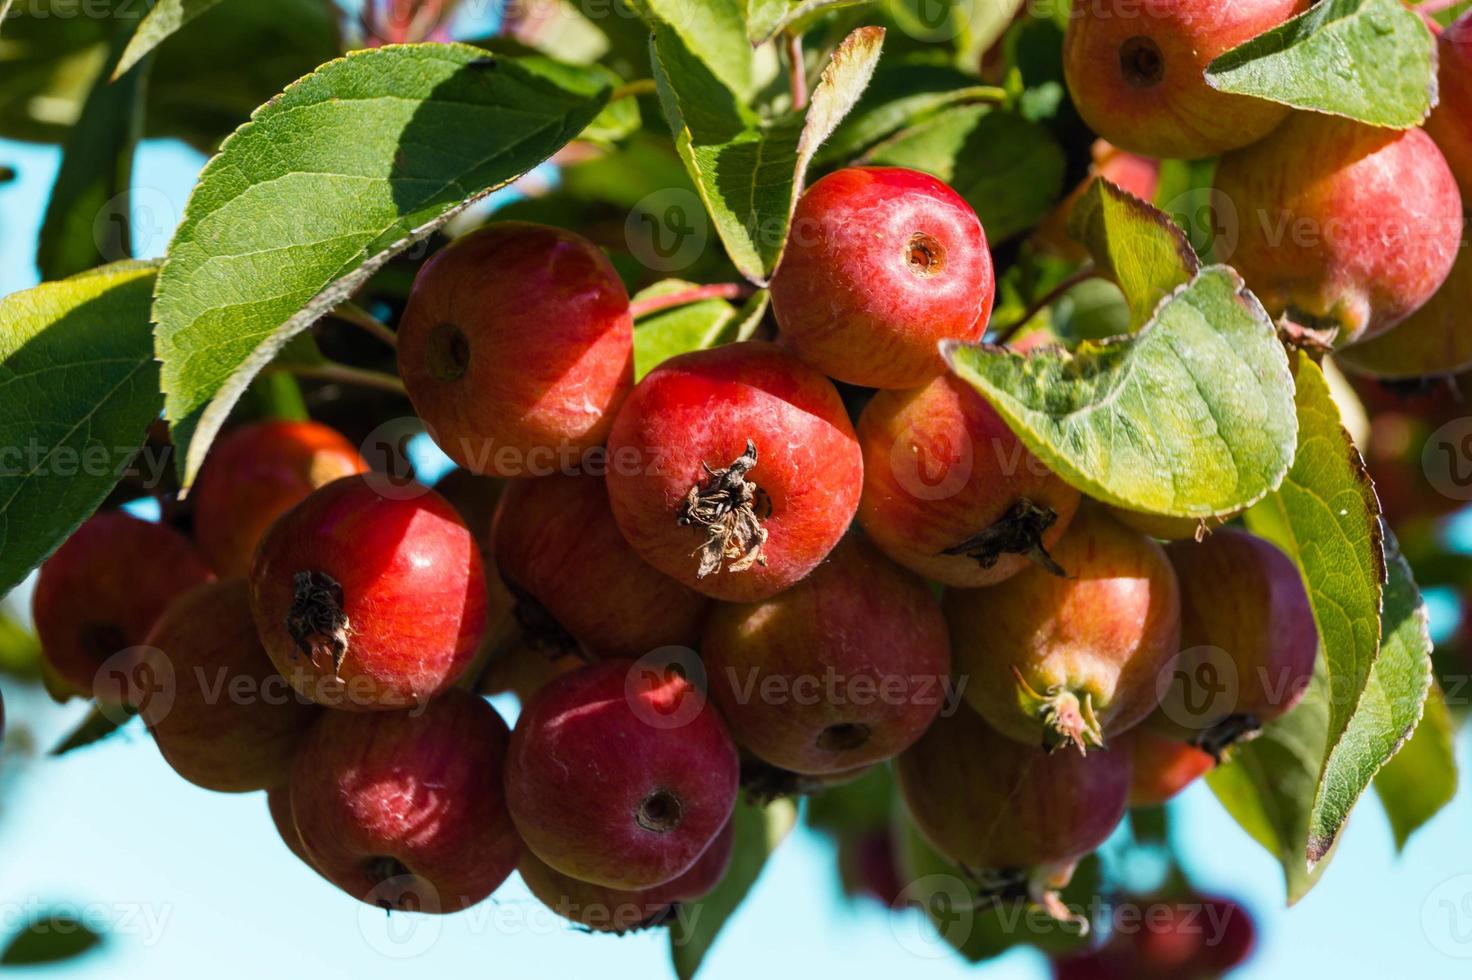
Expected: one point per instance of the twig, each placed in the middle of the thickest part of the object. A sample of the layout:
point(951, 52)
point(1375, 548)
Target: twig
point(797, 72)
point(639, 86)
point(684, 297)
point(343, 374)
point(1084, 272)
point(367, 322)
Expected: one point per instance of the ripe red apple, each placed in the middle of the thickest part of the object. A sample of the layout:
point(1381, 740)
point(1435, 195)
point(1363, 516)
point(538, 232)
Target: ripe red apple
point(1137, 73)
point(1434, 340)
point(881, 265)
point(987, 802)
point(949, 490)
point(1137, 174)
point(1162, 767)
point(1186, 937)
point(234, 723)
point(1054, 661)
point(103, 590)
point(1340, 225)
point(256, 473)
point(846, 668)
point(1450, 124)
point(578, 583)
point(278, 803)
point(1248, 640)
point(517, 348)
point(620, 776)
point(734, 470)
point(405, 809)
point(369, 602)
point(604, 909)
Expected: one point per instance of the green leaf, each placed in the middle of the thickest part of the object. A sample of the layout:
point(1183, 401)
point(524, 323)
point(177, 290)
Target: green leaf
point(758, 831)
point(166, 17)
point(78, 390)
point(749, 172)
point(1422, 777)
point(344, 170)
point(693, 326)
point(1192, 416)
point(87, 218)
point(767, 18)
point(1008, 169)
point(1371, 60)
point(99, 724)
point(1378, 665)
point(714, 33)
point(20, 650)
point(1141, 249)
point(52, 937)
point(971, 27)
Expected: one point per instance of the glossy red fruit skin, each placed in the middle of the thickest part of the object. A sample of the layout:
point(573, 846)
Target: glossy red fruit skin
point(1340, 224)
point(1104, 634)
point(556, 541)
point(1136, 73)
point(1162, 767)
point(940, 466)
point(620, 776)
point(1244, 613)
point(604, 909)
point(256, 473)
point(987, 802)
point(881, 265)
point(699, 410)
point(845, 669)
point(544, 354)
point(233, 723)
point(379, 796)
point(1433, 341)
point(413, 591)
point(103, 590)
point(1450, 124)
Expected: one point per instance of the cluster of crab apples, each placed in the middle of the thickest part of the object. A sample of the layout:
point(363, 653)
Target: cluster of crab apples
point(732, 575)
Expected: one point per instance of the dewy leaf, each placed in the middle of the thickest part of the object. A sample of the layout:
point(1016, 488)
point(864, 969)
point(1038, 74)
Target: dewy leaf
point(87, 219)
point(749, 172)
point(166, 17)
point(714, 32)
point(1192, 416)
point(758, 831)
point(1139, 247)
point(1422, 777)
point(327, 182)
point(1008, 169)
point(78, 390)
point(1371, 60)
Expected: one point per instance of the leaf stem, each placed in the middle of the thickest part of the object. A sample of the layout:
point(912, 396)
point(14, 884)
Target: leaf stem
point(684, 297)
point(639, 86)
point(1082, 273)
point(343, 374)
point(357, 316)
point(796, 71)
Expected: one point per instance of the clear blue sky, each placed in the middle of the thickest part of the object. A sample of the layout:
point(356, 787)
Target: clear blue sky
point(187, 879)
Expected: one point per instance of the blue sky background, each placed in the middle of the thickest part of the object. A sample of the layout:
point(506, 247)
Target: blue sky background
point(183, 879)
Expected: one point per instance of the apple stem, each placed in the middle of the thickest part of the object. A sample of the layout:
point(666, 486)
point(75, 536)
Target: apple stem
point(683, 297)
point(352, 313)
point(1084, 272)
point(797, 71)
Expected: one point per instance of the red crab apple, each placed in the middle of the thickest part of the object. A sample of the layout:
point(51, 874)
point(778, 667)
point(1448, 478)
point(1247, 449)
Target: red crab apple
point(278, 803)
point(734, 470)
point(1137, 73)
point(233, 723)
point(516, 348)
point(620, 776)
point(950, 492)
point(578, 582)
point(369, 601)
point(1434, 340)
point(1071, 660)
point(405, 809)
point(103, 590)
point(846, 668)
point(987, 802)
point(1339, 225)
point(1450, 124)
point(255, 474)
point(882, 264)
point(1162, 767)
point(1188, 937)
point(1248, 640)
point(604, 909)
